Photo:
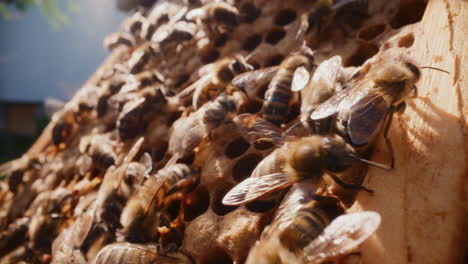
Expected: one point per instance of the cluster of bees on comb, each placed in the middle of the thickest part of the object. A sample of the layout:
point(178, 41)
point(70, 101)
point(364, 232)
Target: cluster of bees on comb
point(216, 132)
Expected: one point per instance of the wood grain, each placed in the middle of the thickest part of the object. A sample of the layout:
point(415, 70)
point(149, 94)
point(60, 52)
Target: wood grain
point(423, 201)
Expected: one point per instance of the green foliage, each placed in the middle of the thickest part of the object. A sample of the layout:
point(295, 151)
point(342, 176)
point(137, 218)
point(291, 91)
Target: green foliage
point(50, 8)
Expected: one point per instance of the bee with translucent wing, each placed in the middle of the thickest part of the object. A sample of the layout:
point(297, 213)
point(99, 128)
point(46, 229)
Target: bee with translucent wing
point(297, 159)
point(361, 109)
point(309, 229)
point(291, 75)
point(188, 132)
point(327, 80)
point(121, 253)
point(208, 87)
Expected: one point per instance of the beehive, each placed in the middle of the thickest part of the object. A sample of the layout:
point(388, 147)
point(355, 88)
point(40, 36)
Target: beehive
point(422, 201)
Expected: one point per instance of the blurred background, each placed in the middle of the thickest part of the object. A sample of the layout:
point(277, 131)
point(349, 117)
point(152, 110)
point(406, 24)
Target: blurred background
point(48, 49)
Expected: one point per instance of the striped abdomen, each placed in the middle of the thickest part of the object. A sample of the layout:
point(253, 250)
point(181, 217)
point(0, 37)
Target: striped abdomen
point(278, 96)
point(309, 222)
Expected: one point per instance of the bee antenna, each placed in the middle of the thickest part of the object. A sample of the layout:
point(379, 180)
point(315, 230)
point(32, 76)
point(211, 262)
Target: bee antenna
point(433, 68)
point(375, 164)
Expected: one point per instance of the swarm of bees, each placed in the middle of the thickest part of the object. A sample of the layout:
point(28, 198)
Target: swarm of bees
point(185, 126)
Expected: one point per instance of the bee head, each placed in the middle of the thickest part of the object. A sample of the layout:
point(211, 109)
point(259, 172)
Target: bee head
point(395, 73)
point(336, 156)
point(218, 110)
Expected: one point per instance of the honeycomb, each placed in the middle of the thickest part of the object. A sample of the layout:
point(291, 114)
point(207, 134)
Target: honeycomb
point(63, 200)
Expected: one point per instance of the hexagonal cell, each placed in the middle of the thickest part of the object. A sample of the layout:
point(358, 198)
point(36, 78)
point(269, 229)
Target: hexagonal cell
point(252, 42)
point(285, 16)
point(216, 202)
point(275, 36)
point(274, 60)
point(406, 41)
point(244, 166)
point(196, 203)
point(236, 148)
point(260, 206)
point(361, 54)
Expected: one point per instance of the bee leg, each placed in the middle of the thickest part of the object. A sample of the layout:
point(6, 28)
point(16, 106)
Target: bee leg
point(387, 140)
point(350, 185)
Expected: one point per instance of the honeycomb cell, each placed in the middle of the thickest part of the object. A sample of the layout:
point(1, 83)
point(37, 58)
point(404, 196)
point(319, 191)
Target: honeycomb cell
point(196, 203)
point(275, 35)
point(217, 206)
point(252, 42)
point(274, 60)
point(245, 166)
point(260, 206)
point(236, 148)
point(406, 41)
point(285, 17)
point(362, 53)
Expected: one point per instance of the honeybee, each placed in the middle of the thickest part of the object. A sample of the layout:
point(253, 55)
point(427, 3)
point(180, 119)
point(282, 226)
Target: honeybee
point(177, 33)
point(327, 80)
point(211, 85)
point(140, 57)
point(361, 109)
point(187, 132)
point(169, 183)
point(114, 190)
point(291, 75)
point(118, 38)
point(100, 149)
point(63, 128)
point(14, 234)
point(311, 229)
point(129, 122)
point(108, 88)
point(120, 253)
point(322, 13)
point(220, 17)
point(134, 24)
point(296, 160)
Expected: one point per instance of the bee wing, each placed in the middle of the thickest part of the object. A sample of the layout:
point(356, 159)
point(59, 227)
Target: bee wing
point(148, 162)
point(344, 234)
point(254, 187)
point(366, 118)
point(133, 151)
point(189, 90)
point(252, 81)
point(199, 89)
point(328, 72)
point(300, 79)
point(345, 99)
point(258, 128)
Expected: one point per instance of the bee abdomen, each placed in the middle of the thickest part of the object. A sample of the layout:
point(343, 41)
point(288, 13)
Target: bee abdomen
point(129, 122)
point(276, 106)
